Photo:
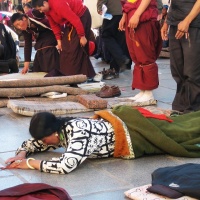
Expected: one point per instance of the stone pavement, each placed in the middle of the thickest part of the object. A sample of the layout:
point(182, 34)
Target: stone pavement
point(99, 179)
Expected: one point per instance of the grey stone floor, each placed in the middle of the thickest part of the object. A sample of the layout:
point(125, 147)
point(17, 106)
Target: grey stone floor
point(101, 179)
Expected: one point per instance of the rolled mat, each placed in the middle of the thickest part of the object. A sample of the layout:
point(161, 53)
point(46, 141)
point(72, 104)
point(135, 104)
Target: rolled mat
point(47, 81)
point(33, 91)
point(74, 98)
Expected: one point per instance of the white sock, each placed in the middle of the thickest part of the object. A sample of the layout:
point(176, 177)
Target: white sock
point(147, 95)
point(137, 96)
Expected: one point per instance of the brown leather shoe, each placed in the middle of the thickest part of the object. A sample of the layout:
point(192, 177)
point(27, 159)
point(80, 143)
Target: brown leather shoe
point(109, 91)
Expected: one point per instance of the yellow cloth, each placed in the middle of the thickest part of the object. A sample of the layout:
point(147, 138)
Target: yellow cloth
point(131, 1)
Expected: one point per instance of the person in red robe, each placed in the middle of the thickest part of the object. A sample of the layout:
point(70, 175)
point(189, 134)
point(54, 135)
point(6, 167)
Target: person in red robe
point(73, 42)
point(144, 42)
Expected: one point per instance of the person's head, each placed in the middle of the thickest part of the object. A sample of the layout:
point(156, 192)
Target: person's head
point(164, 10)
point(46, 126)
point(41, 5)
point(27, 7)
point(19, 9)
point(19, 21)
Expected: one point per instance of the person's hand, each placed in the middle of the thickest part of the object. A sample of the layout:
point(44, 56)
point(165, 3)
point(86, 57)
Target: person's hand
point(99, 12)
point(17, 164)
point(26, 67)
point(59, 46)
point(83, 41)
point(21, 155)
point(182, 29)
point(134, 21)
point(164, 31)
point(122, 23)
point(13, 159)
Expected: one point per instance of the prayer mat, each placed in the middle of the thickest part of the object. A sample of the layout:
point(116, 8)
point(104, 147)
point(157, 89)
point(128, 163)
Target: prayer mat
point(92, 101)
point(38, 102)
point(38, 82)
point(113, 102)
point(141, 193)
point(29, 108)
point(19, 76)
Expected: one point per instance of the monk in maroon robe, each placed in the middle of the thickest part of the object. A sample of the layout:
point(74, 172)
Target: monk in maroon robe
point(144, 42)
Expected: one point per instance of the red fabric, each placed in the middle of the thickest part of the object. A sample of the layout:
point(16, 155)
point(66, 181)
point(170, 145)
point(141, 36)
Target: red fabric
point(144, 45)
point(74, 59)
point(151, 13)
point(4, 17)
point(66, 11)
point(146, 113)
point(145, 77)
point(91, 48)
point(34, 191)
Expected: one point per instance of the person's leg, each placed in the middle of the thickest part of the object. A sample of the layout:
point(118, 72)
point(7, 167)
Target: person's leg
point(13, 66)
point(144, 46)
point(1, 52)
point(74, 59)
point(185, 69)
point(192, 69)
point(106, 56)
point(4, 66)
point(99, 44)
point(110, 36)
point(36, 63)
point(121, 38)
point(41, 64)
point(177, 67)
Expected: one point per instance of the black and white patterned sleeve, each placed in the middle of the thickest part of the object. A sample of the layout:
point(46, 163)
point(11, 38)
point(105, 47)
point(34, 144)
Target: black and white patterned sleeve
point(84, 138)
point(33, 146)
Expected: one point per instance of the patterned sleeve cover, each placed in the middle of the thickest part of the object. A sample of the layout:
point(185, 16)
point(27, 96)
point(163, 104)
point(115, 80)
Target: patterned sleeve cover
point(34, 146)
point(84, 138)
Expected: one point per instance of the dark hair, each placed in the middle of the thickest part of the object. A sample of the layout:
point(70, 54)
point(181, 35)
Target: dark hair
point(27, 5)
point(38, 3)
point(19, 8)
point(17, 16)
point(44, 124)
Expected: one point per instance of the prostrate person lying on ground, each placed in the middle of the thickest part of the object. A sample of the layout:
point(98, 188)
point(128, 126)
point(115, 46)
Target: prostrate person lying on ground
point(123, 132)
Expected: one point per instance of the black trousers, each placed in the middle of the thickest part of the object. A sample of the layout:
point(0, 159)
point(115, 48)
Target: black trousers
point(1, 52)
point(185, 69)
point(115, 42)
